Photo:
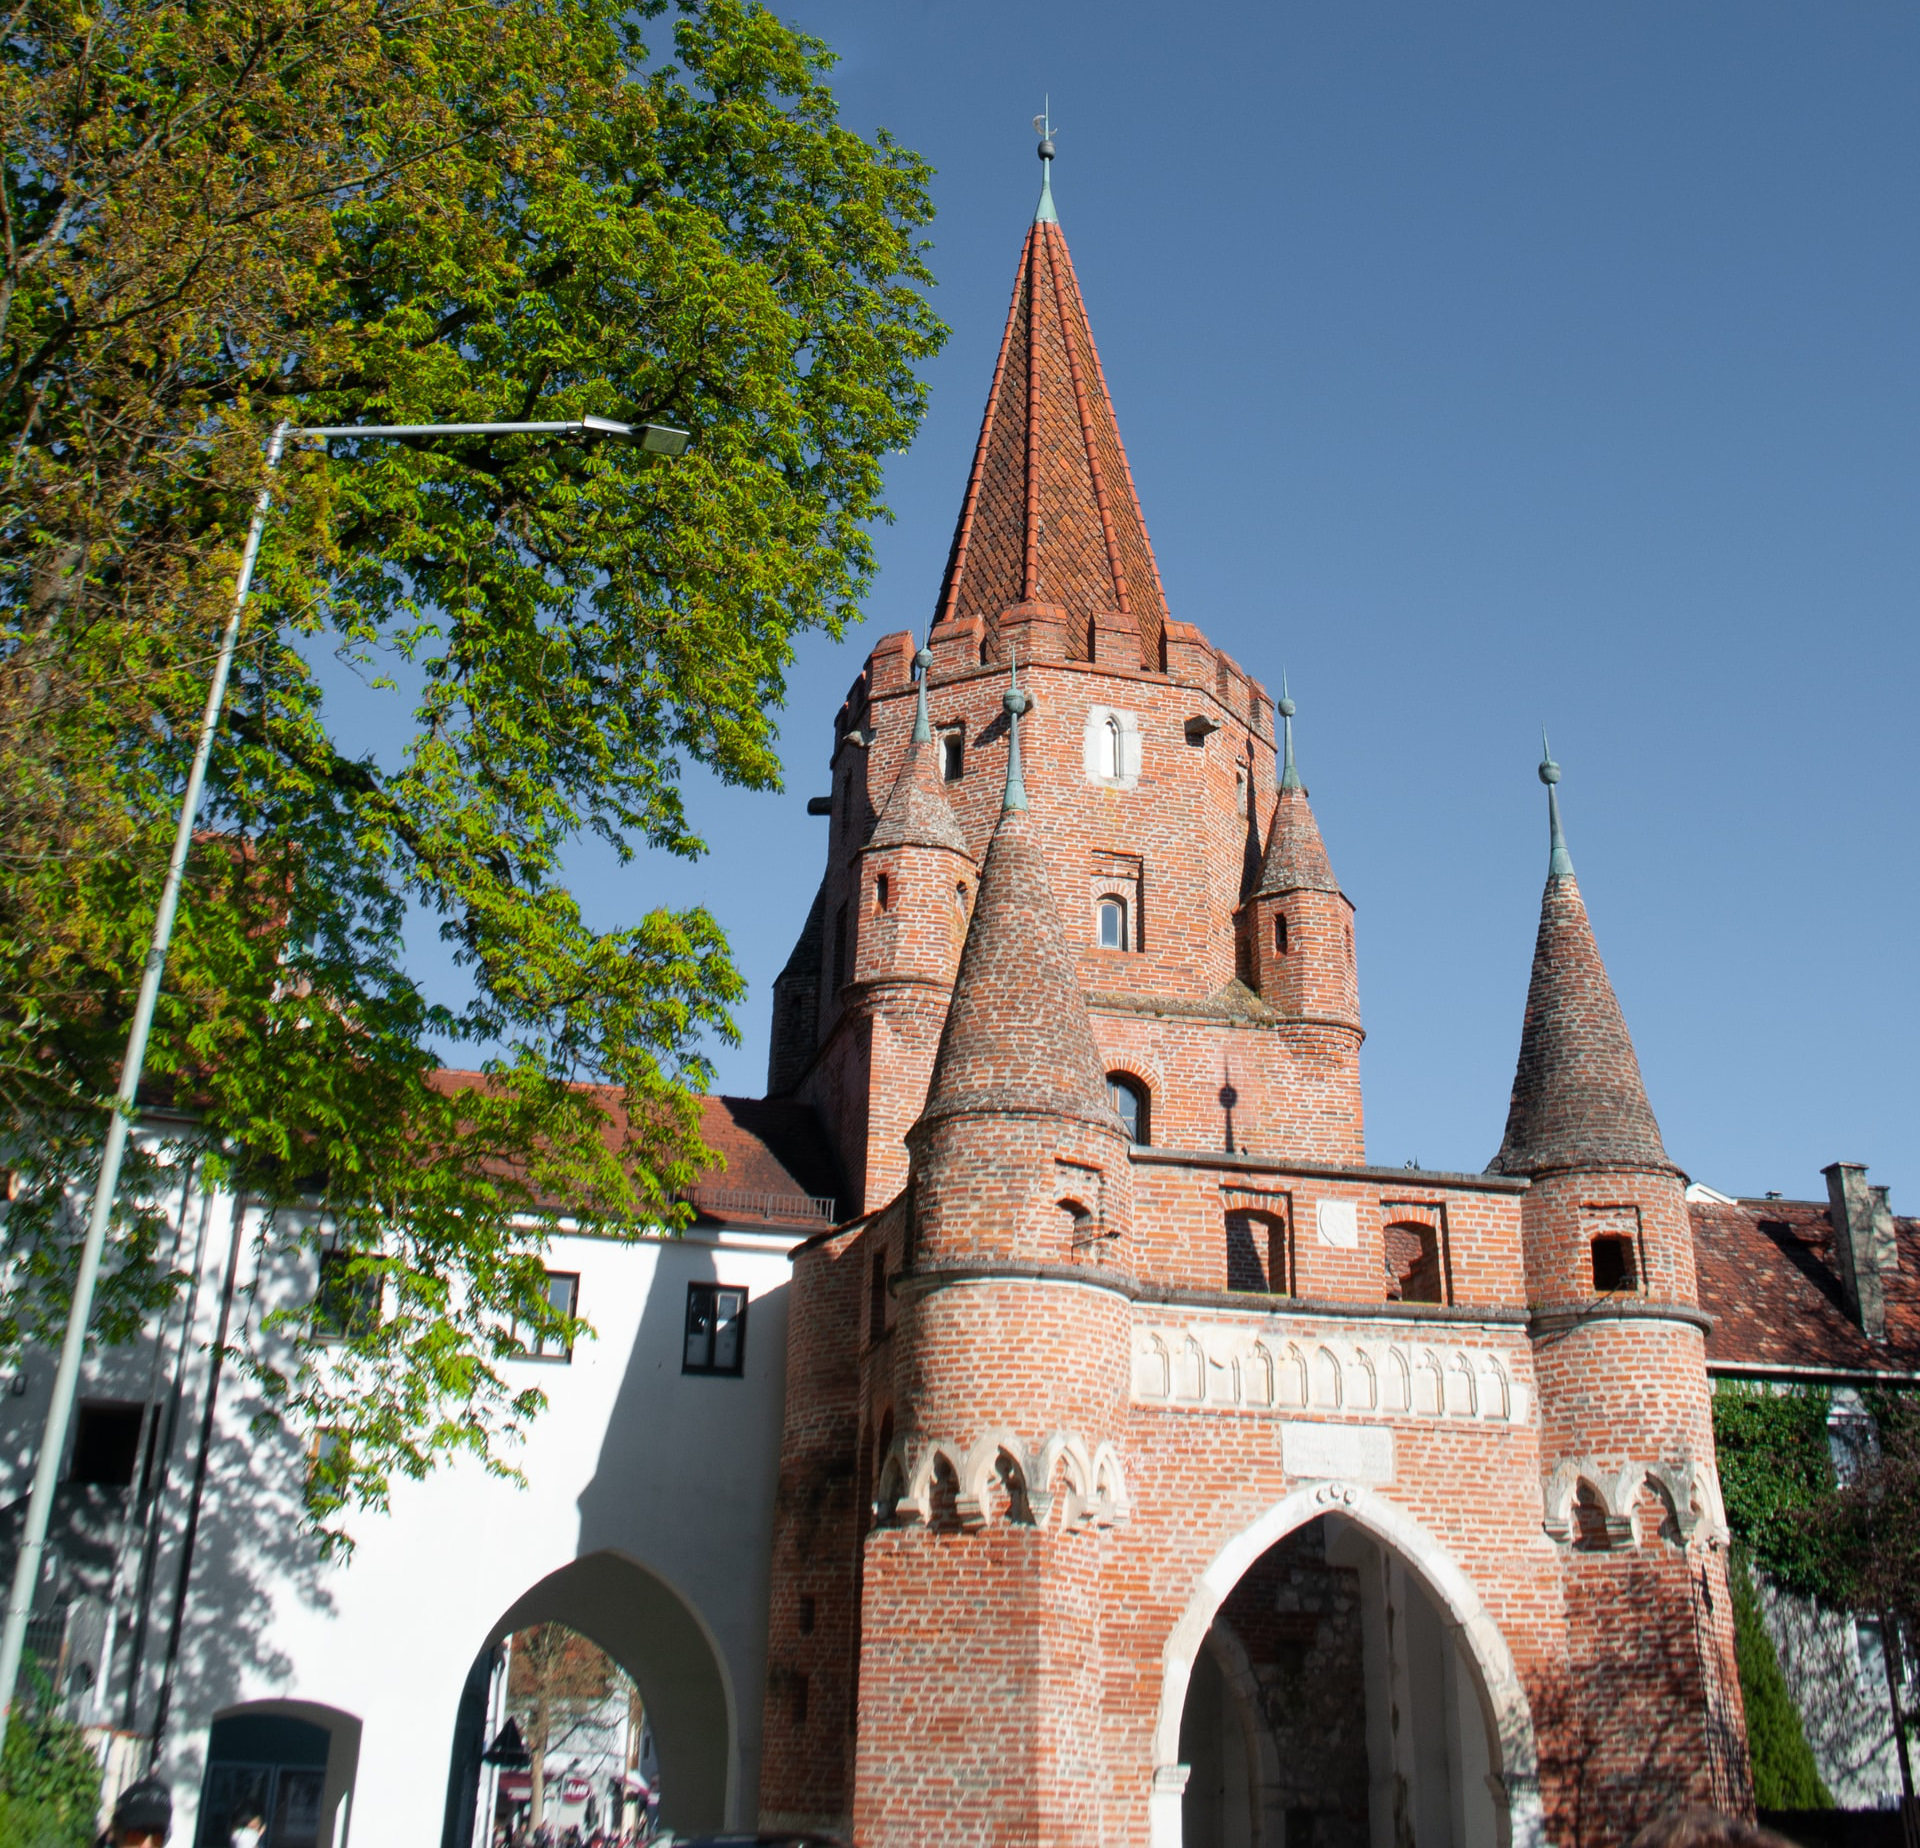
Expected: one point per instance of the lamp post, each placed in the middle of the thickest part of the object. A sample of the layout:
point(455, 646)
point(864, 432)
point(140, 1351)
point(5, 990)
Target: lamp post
point(660, 439)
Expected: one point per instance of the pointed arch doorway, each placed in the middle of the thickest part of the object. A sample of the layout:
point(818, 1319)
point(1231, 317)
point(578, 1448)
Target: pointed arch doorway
point(646, 1627)
point(1336, 1681)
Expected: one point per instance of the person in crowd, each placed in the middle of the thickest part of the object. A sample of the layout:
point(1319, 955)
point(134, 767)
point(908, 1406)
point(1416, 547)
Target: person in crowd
point(1700, 1827)
point(143, 1817)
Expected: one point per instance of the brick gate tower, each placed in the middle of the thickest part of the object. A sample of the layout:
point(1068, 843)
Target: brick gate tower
point(1156, 1470)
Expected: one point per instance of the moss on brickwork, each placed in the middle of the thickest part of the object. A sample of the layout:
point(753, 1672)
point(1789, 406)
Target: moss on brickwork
point(1784, 1773)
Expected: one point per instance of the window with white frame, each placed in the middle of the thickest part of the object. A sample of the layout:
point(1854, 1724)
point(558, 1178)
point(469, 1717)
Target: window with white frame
point(563, 1298)
point(1113, 923)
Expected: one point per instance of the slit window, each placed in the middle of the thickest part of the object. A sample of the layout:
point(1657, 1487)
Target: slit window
point(1280, 933)
point(716, 1330)
point(1113, 924)
point(1129, 1099)
point(953, 756)
point(882, 892)
point(1613, 1267)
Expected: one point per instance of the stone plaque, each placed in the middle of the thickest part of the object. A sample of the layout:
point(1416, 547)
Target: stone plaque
point(1338, 1222)
point(1350, 1453)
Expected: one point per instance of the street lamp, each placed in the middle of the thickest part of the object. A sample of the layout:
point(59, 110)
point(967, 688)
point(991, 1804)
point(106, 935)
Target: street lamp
point(659, 439)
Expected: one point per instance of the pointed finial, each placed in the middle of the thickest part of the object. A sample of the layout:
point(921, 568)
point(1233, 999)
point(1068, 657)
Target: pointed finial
point(1289, 776)
point(1015, 702)
point(1559, 861)
point(1044, 213)
point(922, 724)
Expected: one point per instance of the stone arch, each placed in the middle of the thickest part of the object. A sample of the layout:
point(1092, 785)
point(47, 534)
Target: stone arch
point(995, 1471)
point(1497, 1685)
point(1292, 1389)
point(1109, 1485)
point(1328, 1379)
point(1062, 1456)
point(1397, 1394)
point(331, 1763)
point(660, 1639)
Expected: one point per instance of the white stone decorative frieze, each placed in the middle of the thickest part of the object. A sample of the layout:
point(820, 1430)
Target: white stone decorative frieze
point(1235, 1368)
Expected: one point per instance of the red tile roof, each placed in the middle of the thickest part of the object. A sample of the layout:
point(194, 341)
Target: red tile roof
point(1050, 513)
point(1769, 1280)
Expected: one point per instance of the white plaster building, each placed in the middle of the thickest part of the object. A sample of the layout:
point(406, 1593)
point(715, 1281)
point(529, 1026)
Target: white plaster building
point(333, 1691)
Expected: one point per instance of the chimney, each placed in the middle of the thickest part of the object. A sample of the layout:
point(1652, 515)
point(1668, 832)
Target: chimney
point(1863, 1243)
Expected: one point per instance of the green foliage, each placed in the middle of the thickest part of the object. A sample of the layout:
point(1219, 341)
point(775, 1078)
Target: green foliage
point(49, 1782)
point(1784, 1773)
point(229, 214)
point(1776, 1477)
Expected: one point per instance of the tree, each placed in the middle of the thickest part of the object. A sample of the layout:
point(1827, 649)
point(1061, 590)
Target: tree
point(216, 216)
point(560, 1682)
point(1847, 1538)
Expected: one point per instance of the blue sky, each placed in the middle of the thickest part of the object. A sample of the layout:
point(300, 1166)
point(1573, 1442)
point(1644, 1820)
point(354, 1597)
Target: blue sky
point(1481, 364)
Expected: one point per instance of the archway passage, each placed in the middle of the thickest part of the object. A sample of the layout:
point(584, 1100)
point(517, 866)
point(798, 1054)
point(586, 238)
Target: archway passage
point(658, 1645)
point(1331, 1706)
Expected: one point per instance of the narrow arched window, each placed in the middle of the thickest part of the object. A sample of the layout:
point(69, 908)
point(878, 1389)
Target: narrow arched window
point(1110, 752)
point(1280, 933)
point(1113, 923)
point(1129, 1099)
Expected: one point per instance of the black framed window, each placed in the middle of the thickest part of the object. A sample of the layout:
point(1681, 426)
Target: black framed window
point(716, 1329)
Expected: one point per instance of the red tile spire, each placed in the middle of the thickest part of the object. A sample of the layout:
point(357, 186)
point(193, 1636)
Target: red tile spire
point(1050, 514)
point(1578, 1098)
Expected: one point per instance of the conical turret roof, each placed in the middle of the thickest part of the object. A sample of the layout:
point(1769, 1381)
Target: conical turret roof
point(1050, 513)
point(1578, 1098)
point(1296, 857)
point(917, 812)
point(1017, 1036)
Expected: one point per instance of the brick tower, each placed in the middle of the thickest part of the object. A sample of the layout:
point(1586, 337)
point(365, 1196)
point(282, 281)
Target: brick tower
point(1620, 1362)
point(1155, 1470)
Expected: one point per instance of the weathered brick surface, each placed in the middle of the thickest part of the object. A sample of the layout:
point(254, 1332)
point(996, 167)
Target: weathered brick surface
point(1047, 1379)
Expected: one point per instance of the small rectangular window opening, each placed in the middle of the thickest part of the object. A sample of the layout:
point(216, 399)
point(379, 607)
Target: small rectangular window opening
point(882, 892)
point(806, 1613)
point(106, 1443)
point(716, 1330)
point(1613, 1264)
point(953, 756)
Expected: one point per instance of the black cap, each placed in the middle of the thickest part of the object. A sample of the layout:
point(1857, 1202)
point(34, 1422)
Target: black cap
point(145, 1808)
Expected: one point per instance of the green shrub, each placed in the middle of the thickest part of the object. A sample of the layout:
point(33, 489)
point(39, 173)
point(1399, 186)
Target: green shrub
point(49, 1781)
